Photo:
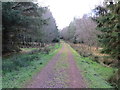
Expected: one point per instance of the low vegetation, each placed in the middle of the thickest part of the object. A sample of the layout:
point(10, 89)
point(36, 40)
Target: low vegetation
point(95, 54)
point(96, 75)
point(17, 70)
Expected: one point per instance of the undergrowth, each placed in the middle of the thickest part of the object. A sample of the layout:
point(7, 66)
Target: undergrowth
point(95, 74)
point(17, 70)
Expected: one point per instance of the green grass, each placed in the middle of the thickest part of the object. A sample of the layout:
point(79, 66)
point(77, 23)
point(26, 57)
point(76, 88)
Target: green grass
point(94, 74)
point(19, 76)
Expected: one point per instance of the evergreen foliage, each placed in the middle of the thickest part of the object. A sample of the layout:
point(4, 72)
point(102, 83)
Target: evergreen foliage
point(109, 25)
point(22, 25)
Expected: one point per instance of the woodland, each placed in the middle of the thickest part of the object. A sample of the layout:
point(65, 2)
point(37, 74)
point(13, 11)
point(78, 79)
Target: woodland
point(30, 38)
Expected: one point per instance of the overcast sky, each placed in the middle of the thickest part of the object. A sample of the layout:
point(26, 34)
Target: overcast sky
point(65, 10)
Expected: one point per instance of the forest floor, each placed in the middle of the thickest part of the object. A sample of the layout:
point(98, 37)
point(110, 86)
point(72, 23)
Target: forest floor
point(67, 69)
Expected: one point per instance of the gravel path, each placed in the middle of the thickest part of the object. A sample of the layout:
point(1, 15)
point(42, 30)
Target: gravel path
point(60, 72)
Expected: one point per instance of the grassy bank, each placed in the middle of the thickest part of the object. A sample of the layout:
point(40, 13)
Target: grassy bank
point(95, 74)
point(17, 70)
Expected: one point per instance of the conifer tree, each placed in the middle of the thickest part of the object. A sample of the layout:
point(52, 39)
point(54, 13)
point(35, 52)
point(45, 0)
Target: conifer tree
point(109, 25)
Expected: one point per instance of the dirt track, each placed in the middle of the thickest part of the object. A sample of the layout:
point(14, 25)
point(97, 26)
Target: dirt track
point(60, 72)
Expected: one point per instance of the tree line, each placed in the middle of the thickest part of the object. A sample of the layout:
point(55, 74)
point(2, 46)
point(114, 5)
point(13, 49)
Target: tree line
point(25, 24)
point(102, 29)
point(81, 30)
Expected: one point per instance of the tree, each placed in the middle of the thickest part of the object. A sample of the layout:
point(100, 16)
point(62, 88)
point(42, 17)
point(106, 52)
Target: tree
point(109, 25)
point(21, 22)
point(26, 24)
point(81, 30)
point(49, 31)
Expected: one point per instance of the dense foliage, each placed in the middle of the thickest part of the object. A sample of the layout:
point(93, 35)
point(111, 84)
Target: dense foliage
point(22, 24)
point(109, 25)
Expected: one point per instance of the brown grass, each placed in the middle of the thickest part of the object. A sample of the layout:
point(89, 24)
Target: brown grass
point(94, 53)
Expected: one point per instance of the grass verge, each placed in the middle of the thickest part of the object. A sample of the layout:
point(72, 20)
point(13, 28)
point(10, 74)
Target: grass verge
point(16, 76)
point(94, 74)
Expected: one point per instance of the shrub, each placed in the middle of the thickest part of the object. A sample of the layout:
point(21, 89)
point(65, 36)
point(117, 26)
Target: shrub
point(14, 63)
point(56, 40)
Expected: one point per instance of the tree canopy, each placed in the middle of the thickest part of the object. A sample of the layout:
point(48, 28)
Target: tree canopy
point(23, 25)
point(109, 24)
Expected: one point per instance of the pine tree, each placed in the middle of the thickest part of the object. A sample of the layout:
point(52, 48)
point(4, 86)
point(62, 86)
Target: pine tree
point(20, 22)
point(109, 25)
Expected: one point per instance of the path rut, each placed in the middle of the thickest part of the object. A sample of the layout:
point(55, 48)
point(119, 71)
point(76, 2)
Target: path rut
point(60, 72)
